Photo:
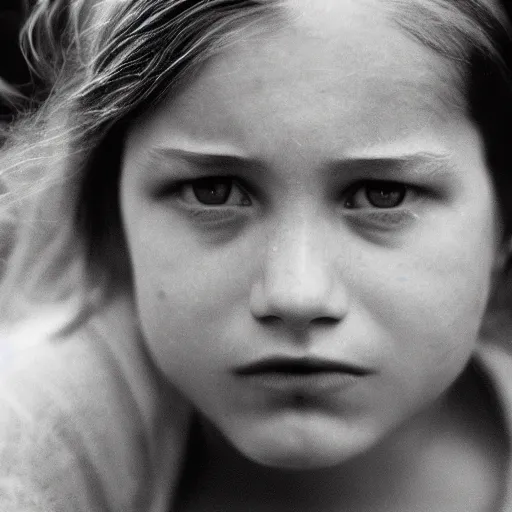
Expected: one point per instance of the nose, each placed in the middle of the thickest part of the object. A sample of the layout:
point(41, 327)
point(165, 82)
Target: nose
point(300, 282)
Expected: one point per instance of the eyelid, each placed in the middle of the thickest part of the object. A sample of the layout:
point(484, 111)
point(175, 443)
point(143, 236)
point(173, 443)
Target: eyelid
point(358, 186)
point(176, 187)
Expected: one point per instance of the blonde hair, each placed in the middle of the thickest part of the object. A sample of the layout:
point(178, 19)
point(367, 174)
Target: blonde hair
point(104, 62)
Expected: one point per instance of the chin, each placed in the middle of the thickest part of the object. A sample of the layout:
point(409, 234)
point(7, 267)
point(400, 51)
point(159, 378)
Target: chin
point(301, 446)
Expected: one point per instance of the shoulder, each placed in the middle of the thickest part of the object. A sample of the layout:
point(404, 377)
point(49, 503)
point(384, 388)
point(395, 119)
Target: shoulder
point(494, 362)
point(495, 358)
point(82, 415)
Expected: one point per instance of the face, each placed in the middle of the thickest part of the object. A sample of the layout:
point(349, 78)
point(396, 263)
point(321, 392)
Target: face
point(312, 232)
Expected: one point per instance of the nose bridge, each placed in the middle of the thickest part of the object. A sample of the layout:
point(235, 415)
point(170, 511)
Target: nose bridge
point(299, 279)
point(296, 261)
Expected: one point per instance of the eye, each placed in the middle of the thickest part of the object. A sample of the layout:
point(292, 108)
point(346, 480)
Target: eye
point(213, 191)
point(376, 194)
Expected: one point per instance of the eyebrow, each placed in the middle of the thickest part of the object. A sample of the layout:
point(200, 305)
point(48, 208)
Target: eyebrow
point(423, 162)
point(162, 156)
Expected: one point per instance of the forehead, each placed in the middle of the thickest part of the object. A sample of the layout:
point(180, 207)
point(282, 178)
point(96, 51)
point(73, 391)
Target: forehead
point(336, 69)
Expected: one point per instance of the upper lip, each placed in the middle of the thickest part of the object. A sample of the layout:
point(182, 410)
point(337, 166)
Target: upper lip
point(302, 365)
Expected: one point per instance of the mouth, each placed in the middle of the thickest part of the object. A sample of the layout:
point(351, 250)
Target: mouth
point(299, 366)
point(302, 375)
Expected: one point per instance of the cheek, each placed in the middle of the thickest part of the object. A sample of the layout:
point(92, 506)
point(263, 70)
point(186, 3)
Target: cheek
point(420, 320)
point(436, 295)
point(187, 297)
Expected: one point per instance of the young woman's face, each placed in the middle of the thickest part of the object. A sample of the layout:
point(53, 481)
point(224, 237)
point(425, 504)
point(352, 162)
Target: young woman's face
point(312, 230)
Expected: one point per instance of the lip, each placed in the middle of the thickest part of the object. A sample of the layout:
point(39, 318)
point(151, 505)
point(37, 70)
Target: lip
point(307, 375)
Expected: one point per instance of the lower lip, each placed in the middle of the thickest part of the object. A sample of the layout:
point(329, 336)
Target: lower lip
point(313, 383)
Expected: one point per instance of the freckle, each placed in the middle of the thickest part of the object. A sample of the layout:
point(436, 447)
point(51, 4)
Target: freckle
point(160, 295)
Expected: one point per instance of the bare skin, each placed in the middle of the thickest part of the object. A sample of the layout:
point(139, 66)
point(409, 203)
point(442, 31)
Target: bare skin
point(462, 453)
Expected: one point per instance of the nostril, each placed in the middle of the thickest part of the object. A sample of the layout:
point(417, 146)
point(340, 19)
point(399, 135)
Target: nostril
point(270, 319)
point(326, 321)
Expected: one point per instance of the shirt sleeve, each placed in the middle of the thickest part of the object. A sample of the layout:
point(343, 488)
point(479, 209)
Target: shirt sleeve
point(46, 464)
point(86, 424)
point(40, 472)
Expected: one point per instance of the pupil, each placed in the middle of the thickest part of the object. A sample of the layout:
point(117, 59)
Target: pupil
point(212, 191)
point(386, 196)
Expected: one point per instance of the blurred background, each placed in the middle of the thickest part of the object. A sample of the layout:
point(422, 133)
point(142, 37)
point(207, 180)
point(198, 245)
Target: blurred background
point(14, 73)
point(16, 88)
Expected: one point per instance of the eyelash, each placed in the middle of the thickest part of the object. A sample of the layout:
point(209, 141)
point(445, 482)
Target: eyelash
point(391, 194)
point(228, 187)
